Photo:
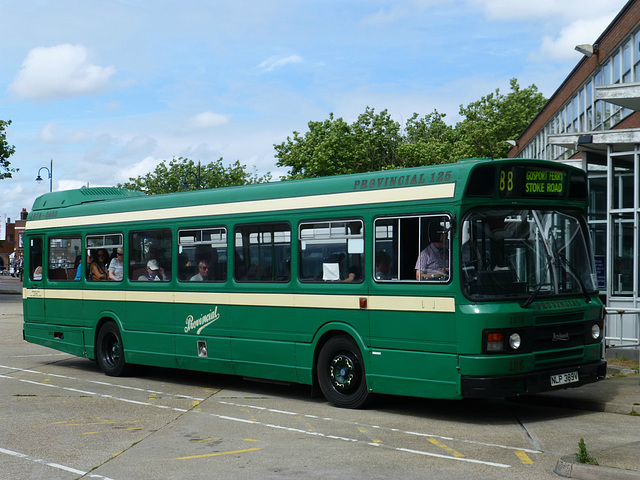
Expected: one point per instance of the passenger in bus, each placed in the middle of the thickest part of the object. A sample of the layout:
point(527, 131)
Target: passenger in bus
point(432, 263)
point(353, 274)
point(383, 266)
point(37, 273)
point(99, 266)
point(116, 266)
point(78, 267)
point(154, 272)
point(203, 272)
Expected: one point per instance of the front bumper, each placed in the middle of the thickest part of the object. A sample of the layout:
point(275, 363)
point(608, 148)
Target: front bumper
point(535, 382)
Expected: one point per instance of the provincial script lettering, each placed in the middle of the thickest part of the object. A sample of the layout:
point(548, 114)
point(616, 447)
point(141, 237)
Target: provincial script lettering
point(202, 322)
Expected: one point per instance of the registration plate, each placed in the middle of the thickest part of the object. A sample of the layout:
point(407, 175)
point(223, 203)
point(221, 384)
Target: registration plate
point(564, 378)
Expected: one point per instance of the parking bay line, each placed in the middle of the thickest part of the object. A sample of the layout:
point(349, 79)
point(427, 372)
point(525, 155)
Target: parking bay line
point(279, 427)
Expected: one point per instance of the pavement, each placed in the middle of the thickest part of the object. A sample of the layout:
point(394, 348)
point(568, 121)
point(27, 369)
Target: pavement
point(619, 394)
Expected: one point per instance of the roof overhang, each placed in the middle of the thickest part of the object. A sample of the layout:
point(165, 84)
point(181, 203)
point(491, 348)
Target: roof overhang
point(596, 141)
point(625, 95)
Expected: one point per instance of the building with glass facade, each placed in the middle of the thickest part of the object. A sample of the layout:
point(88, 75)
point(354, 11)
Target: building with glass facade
point(593, 121)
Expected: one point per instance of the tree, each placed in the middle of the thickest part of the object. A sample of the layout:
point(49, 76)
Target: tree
point(334, 147)
point(6, 151)
point(171, 177)
point(489, 122)
point(377, 142)
point(427, 141)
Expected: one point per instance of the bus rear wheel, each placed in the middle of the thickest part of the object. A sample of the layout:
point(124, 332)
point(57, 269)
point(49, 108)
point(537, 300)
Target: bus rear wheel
point(341, 374)
point(110, 351)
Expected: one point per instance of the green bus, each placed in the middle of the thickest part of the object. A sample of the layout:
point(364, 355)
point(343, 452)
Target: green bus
point(471, 279)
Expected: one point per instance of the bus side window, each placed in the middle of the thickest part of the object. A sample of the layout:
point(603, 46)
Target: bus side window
point(64, 258)
point(262, 253)
point(104, 258)
point(150, 255)
point(35, 259)
point(332, 251)
point(202, 254)
point(412, 248)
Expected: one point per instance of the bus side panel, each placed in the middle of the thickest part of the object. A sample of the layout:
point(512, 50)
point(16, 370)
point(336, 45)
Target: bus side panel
point(146, 348)
point(202, 336)
point(264, 359)
point(33, 304)
point(216, 358)
point(304, 362)
point(148, 328)
point(62, 338)
point(422, 331)
point(64, 307)
point(263, 342)
point(415, 374)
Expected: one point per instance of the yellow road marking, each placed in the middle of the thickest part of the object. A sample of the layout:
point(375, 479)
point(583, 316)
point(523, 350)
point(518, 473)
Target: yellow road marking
point(88, 433)
point(201, 440)
point(218, 454)
point(448, 449)
point(524, 458)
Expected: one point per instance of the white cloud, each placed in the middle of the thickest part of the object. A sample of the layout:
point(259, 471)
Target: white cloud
point(571, 22)
point(564, 11)
point(136, 170)
point(563, 46)
point(70, 185)
point(208, 120)
point(53, 133)
point(60, 71)
point(278, 61)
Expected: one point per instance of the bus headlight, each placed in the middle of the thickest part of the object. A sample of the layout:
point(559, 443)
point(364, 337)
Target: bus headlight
point(515, 341)
point(596, 331)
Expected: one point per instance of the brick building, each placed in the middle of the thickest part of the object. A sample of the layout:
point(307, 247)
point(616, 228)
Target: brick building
point(593, 121)
point(12, 247)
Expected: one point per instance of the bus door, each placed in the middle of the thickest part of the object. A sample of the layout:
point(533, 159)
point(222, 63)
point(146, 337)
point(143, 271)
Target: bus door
point(412, 307)
point(33, 293)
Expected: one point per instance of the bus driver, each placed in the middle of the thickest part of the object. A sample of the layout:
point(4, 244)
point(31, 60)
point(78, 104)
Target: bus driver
point(431, 263)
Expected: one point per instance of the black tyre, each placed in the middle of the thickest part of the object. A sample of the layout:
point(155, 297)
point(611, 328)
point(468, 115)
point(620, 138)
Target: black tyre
point(341, 374)
point(110, 351)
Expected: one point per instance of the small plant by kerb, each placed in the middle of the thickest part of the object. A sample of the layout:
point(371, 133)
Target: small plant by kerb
point(583, 456)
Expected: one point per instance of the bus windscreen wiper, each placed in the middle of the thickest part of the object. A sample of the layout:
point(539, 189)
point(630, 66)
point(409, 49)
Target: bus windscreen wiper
point(571, 269)
point(535, 292)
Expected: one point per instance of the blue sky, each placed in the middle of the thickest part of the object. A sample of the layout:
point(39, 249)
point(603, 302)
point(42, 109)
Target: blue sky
point(108, 89)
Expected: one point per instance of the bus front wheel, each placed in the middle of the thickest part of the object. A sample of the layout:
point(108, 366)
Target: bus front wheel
point(109, 350)
point(341, 374)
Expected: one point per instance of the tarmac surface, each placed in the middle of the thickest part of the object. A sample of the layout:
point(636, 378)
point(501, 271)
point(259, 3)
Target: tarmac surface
point(618, 394)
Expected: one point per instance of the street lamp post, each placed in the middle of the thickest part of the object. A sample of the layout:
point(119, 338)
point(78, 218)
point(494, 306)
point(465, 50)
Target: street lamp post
point(50, 172)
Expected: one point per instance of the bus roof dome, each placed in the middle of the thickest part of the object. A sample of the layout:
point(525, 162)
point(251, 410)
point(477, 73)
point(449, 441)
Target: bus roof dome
point(82, 195)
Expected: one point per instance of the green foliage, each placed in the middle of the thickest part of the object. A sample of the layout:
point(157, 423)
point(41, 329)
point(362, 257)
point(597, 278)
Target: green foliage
point(496, 118)
point(6, 151)
point(180, 172)
point(333, 147)
point(583, 456)
point(377, 142)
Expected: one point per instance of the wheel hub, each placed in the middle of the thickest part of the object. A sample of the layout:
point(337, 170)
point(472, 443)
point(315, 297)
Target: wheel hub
point(342, 372)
